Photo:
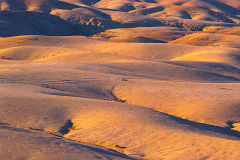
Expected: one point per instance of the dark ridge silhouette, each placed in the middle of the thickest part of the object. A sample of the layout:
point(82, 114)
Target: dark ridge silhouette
point(202, 65)
point(224, 7)
point(230, 124)
point(141, 40)
point(87, 2)
point(127, 7)
point(16, 5)
point(221, 131)
point(6, 126)
point(150, 1)
point(16, 23)
point(220, 16)
point(150, 10)
point(61, 5)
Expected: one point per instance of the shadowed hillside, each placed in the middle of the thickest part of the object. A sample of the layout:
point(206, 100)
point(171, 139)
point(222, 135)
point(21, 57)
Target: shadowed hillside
point(90, 17)
point(15, 23)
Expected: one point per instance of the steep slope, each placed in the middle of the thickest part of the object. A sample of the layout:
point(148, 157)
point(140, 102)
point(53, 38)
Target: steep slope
point(32, 23)
point(97, 16)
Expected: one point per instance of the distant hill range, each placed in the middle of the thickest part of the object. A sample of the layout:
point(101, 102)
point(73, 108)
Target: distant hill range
point(87, 17)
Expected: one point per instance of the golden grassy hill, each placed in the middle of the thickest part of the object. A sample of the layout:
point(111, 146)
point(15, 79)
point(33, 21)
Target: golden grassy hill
point(72, 87)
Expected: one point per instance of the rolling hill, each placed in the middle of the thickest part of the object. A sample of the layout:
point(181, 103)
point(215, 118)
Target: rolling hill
point(119, 79)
